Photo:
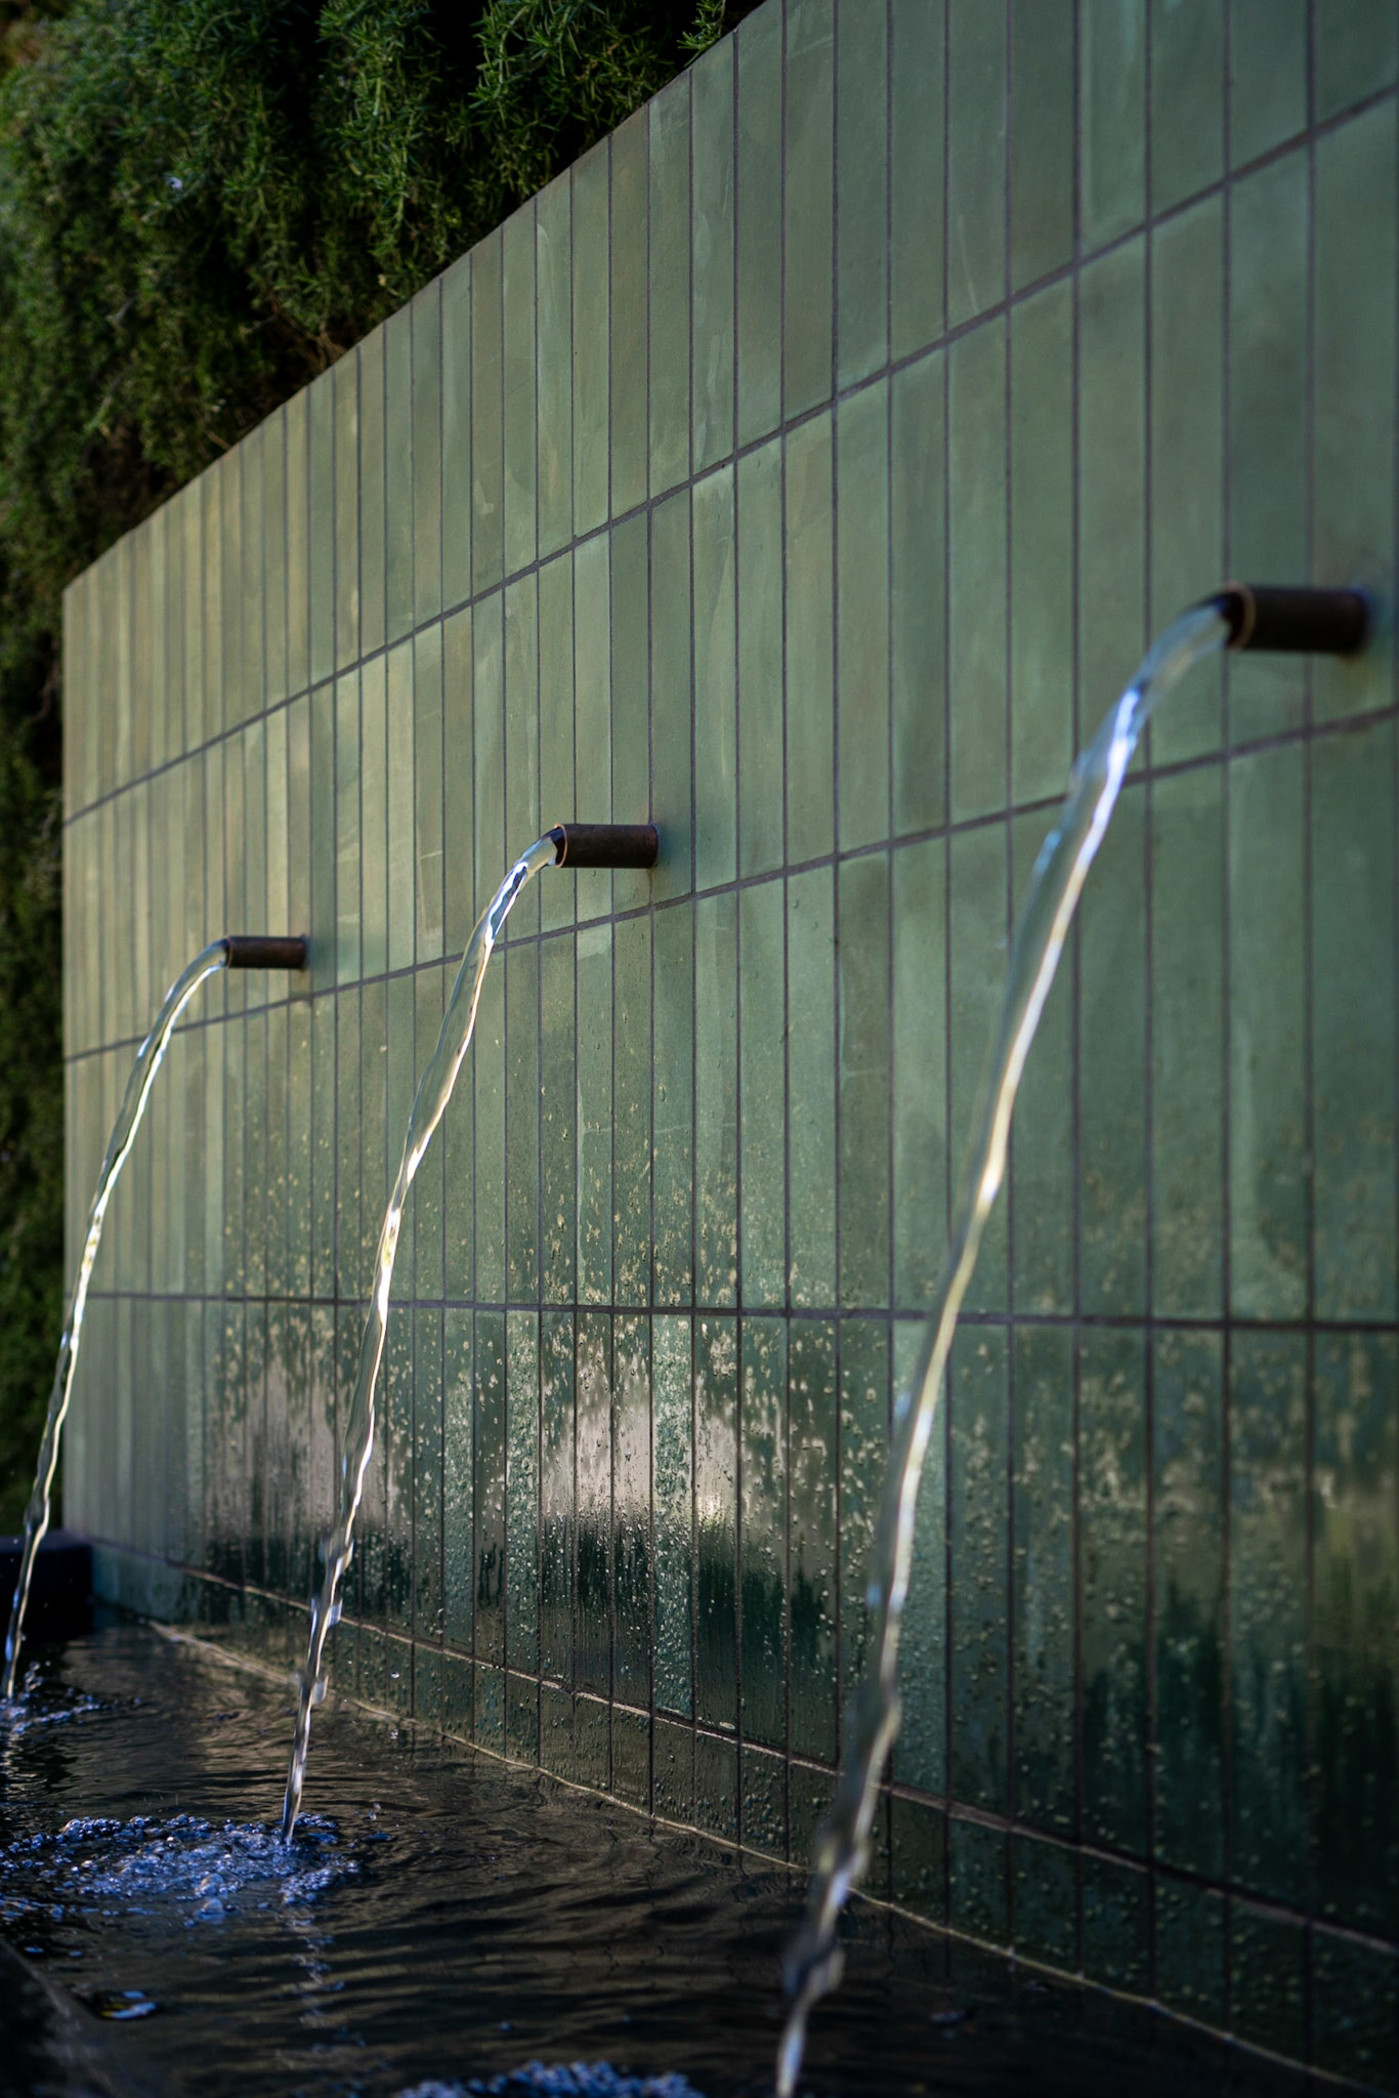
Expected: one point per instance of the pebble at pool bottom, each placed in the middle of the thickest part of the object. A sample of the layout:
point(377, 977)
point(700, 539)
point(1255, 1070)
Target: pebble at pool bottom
point(444, 1922)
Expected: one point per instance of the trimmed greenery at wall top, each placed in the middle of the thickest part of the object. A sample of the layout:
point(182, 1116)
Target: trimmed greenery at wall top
point(201, 206)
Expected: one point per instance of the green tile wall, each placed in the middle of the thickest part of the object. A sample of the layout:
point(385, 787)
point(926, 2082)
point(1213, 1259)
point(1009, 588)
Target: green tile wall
point(807, 468)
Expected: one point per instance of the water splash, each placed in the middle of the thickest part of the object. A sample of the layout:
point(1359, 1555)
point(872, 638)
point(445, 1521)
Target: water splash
point(149, 1058)
point(841, 1852)
point(560, 2080)
point(428, 1109)
point(193, 1865)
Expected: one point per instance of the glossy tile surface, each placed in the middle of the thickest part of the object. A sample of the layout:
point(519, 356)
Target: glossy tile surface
point(807, 468)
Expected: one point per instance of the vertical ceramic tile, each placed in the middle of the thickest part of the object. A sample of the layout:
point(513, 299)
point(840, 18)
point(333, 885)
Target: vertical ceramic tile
point(810, 641)
point(713, 521)
point(672, 1502)
point(1041, 547)
point(426, 730)
point(672, 1107)
point(716, 1087)
point(377, 863)
point(427, 452)
point(593, 1487)
point(976, 158)
point(760, 710)
point(487, 457)
point(556, 759)
point(399, 470)
point(808, 204)
point(592, 724)
point(862, 193)
point(1353, 1024)
point(1187, 455)
point(1188, 1559)
point(1353, 1987)
point(557, 1121)
point(759, 228)
point(917, 162)
point(865, 1392)
point(1187, 1043)
point(553, 239)
point(373, 1125)
point(1268, 1959)
point(556, 1545)
point(522, 1397)
point(591, 276)
point(811, 1088)
point(371, 462)
point(651, 772)
point(669, 156)
point(520, 485)
point(977, 581)
point(1355, 1569)
point(863, 1079)
point(976, 934)
point(1111, 475)
point(348, 1190)
point(1353, 300)
point(458, 1478)
point(594, 1124)
point(1267, 1613)
point(320, 528)
point(229, 637)
point(1187, 99)
point(1042, 46)
point(457, 485)
point(1112, 101)
point(488, 1158)
point(458, 781)
point(631, 1511)
point(712, 233)
point(489, 1365)
point(1113, 1049)
point(1043, 1599)
point(1268, 421)
point(629, 349)
point(917, 595)
point(762, 1547)
point(1267, 1037)
point(813, 1415)
point(918, 905)
point(1356, 49)
point(1267, 86)
point(346, 441)
point(979, 1513)
point(631, 1110)
point(522, 813)
point(322, 920)
point(862, 617)
point(428, 1457)
point(1041, 1196)
point(1113, 1548)
point(431, 988)
point(298, 566)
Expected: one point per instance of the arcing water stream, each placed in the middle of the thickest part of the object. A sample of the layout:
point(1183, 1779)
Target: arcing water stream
point(842, 1845)
point(149, 1058)
point(428, 1109)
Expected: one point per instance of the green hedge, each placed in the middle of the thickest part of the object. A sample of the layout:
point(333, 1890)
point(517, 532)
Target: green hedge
point(203, 204)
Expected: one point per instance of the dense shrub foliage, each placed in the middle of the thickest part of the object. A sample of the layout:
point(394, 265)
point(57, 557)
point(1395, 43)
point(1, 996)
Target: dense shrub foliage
point(201, 206)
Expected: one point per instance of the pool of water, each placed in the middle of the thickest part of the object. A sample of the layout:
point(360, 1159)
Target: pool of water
point(444, 1920)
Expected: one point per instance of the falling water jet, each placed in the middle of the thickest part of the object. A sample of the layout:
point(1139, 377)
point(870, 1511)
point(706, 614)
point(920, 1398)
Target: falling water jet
point(233, 951)
point(1243, 616)
point(567, 845)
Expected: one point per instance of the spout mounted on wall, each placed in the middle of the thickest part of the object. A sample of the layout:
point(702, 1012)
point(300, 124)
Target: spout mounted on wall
point(1266, 617)
point(606, 844)
point(262, 950)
